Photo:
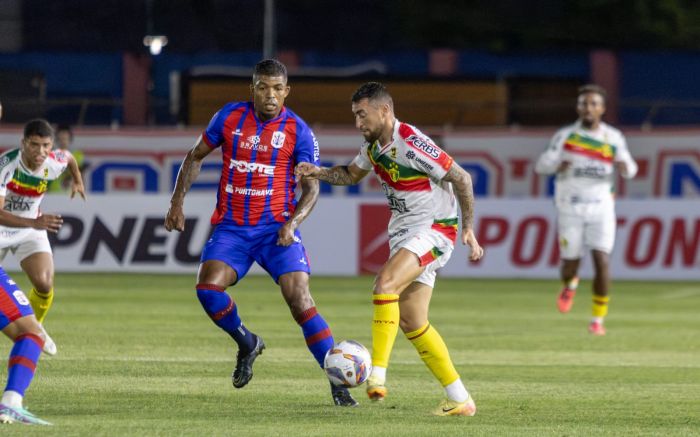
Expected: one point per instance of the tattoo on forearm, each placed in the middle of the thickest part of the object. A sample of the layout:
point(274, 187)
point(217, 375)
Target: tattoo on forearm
point(462, 183)
point(338, 175)
point(188, 174)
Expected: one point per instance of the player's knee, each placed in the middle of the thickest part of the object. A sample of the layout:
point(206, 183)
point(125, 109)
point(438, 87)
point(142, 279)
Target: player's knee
point(43, 283)
point(385, 283)
point(298, 298)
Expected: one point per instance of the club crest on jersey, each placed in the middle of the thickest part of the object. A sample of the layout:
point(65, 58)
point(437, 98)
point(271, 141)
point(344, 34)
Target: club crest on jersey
point(393, 153)
point(394, 172)
point(277, 140)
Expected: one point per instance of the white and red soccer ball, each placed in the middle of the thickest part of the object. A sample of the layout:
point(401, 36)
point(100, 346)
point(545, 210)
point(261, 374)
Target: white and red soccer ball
point(348, 364)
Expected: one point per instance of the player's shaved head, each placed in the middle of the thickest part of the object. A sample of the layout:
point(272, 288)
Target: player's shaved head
point(38, 127)
point(375, 92)
point(271, 68)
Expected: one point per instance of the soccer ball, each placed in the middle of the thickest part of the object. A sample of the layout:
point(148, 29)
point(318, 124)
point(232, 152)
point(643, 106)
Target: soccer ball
point(348, 364)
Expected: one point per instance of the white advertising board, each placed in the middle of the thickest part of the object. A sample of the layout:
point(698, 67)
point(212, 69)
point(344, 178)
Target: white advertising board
point(657, 239)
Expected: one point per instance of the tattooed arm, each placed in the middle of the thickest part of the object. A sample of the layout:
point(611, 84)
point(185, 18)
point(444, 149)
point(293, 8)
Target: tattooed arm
point(191, 165)
point(338, 175)
point(462, 183)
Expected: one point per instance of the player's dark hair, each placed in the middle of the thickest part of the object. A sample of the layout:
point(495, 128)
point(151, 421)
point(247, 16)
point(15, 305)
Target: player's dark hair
point(38, 127)
point(593, 88)
point(270, 67)
point(372, 91)
point(64, 128)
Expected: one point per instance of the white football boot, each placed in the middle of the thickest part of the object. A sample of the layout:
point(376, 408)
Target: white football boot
point(49, 345)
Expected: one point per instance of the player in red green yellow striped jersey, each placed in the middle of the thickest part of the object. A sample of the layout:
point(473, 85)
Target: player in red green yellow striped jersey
point(24, 176)
point(426, 191)
point(585, 157)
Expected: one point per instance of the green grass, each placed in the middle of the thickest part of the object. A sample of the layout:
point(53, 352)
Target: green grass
point(137, 356)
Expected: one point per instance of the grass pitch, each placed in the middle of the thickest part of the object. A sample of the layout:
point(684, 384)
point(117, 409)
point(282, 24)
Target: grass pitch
point(138, 356)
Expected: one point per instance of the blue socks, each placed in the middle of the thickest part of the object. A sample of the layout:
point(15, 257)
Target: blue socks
point(319, 338)
point(223, 311)
point(23, 359)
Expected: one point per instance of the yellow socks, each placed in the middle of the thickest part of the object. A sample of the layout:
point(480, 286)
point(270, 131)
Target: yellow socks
point(385, 325)
point(434, 353)
point(41, 303)
point(600, 306)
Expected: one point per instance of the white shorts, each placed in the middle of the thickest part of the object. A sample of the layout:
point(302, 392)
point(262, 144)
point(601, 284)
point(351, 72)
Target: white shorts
point(23, 242)
point(576, 232)
point(432, 248)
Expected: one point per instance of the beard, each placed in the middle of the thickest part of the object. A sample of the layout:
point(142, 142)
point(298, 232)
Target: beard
point(370, 136)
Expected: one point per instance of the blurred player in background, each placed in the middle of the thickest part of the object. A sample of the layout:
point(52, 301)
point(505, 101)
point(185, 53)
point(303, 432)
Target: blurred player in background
point(64, 141)
point(257, 215)
point(17, 319)
point(585, 156)
point(425, 189)
point(24, 176)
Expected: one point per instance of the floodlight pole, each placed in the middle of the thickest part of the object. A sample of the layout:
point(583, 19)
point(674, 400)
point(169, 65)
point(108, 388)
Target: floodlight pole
point(269, 36)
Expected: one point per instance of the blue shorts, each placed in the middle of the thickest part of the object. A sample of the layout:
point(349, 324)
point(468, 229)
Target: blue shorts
point(13, 303)
point(239, 246)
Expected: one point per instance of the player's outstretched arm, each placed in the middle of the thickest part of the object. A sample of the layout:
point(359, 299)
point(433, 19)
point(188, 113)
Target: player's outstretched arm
point(49, 222)
point(464, 191)
point(77, 186)
point(189, 170)
point(338, 175)
point(307, 201)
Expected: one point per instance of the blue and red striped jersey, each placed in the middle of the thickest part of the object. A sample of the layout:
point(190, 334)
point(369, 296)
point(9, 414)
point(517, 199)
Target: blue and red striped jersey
point(257, 179)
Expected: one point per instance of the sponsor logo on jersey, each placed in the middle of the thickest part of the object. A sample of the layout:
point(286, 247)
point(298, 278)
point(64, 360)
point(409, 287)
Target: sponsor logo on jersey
point(396, 204)
point(423, 163)
point(237, 133)
point(317, 153)
point(278, 140)
point(252, 143)
point(251, 146)
point(252, 167)
point(590, 171)
point(398, 233)
point(424, 145)
point(252, 191)
point(17, 204)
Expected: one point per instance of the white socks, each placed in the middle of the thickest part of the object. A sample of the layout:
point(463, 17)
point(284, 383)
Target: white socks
point(456, 391)
point(12, 399)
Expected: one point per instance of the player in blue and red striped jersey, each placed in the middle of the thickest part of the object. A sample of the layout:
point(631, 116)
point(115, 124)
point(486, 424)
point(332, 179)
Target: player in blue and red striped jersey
point(257, 215)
